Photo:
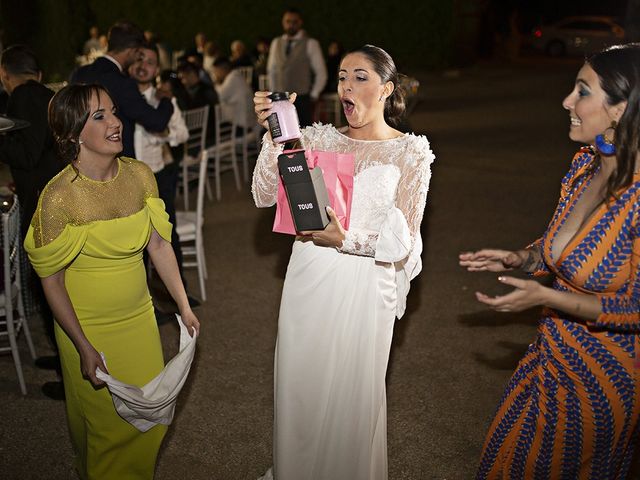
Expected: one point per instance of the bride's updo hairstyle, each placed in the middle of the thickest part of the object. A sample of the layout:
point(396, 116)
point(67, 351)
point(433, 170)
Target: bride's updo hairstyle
point(384, 66)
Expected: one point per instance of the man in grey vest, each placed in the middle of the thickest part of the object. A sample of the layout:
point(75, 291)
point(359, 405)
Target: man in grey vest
point(296, 64)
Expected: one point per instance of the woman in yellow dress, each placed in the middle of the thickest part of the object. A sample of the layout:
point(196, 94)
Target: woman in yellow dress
point(86, 241)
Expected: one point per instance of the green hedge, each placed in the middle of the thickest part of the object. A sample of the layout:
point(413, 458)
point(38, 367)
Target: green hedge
point(417, 33)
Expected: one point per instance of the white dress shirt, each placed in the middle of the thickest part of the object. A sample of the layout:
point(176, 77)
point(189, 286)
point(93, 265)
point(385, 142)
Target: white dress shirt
point(149, 146)
point(314, 52)
point(236, 99)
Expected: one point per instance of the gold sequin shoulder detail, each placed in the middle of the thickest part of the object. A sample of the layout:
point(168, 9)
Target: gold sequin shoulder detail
point(73, 199)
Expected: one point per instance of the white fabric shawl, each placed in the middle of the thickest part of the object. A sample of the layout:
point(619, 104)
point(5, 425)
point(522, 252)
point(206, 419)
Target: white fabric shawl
point(155, 402)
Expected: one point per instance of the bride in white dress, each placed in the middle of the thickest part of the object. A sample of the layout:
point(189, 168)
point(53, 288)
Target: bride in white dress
point(344, 289)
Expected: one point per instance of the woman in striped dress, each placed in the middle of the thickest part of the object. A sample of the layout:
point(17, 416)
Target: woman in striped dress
point(571, 409)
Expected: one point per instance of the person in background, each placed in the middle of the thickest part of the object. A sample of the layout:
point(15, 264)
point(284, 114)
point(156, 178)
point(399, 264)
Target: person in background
point(260, 54)
point(155, 149)
point(239, 55)
point(198, 47)
point(295, 64)
point(168, 81)
point(198, 94)
point(572, 407)
point(86, 241)
point(110, 71)
point(197, 59)
point(30, 154)
point(93, 43)
point(164, 53)
point(234, 94)
point(211, 52)
point(104, 45)
point(334, 56)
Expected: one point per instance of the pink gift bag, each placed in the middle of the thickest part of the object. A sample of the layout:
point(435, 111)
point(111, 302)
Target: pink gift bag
point(337, 170)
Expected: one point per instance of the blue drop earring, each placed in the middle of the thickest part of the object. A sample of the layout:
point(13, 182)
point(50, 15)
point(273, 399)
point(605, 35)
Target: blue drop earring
point(604, 142)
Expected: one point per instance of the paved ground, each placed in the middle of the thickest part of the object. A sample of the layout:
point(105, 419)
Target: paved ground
point(499, 134)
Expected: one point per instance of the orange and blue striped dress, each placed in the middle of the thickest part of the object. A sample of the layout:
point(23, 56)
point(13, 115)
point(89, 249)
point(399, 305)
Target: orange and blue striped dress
point(571, 409)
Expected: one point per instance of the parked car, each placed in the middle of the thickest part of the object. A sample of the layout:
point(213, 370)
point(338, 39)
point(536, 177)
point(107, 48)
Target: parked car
point(577, 35)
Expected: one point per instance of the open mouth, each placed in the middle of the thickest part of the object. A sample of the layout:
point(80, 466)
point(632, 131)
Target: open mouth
point(115, 137)
point(575, 122)
point(348, 106)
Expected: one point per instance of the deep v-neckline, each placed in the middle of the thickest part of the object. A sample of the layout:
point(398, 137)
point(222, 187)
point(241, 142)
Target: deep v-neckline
point(585, 226)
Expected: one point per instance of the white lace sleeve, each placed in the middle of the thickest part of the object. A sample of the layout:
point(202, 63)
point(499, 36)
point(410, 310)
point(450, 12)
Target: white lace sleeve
point(358, 242)
point(264, 186)
point(410, 202)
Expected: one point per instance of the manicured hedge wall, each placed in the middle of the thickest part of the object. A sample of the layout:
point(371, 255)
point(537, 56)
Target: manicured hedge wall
point(418, 33)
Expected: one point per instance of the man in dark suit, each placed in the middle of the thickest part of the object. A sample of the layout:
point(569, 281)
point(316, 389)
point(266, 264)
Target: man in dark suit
point(30, 152)
point(110, 71)
point(31, 156)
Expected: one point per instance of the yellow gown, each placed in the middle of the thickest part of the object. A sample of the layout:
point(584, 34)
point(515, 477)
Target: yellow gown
point(97, 231)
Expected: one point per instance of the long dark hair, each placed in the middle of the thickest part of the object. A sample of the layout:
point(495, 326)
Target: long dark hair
point(68, 112)
point(618, 70)
point(384, 66)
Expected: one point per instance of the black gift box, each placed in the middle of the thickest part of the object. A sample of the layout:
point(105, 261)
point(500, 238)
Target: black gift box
point(306, 192)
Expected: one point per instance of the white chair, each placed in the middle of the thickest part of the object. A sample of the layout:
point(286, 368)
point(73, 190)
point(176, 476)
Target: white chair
point(223, 152)
point(11, 307)
point(189, 228)
point(246, 141)
point(196, 121)
point(247, 74)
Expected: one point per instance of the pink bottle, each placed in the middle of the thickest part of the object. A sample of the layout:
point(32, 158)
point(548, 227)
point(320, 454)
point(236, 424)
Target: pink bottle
point(283, 122)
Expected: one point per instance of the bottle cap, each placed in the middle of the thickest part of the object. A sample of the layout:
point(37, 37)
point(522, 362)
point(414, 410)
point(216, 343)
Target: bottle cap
point(277, 96)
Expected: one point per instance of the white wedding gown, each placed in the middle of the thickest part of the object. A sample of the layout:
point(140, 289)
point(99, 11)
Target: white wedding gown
point(338, 309)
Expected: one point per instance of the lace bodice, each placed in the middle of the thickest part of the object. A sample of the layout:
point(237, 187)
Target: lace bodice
point(389, 175)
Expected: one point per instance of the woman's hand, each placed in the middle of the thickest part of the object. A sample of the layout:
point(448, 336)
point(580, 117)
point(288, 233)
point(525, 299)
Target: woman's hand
point(262, 106)
point(331, 236)
point(488, 260)
point(527, 294)
point(190, 321)
point(90, 359)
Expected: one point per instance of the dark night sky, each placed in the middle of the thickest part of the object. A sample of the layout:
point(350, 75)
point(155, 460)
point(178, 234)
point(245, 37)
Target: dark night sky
point(536, 11)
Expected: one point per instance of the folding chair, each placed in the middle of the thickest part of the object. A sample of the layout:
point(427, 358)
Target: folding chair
point(247, 74)
point(224, 151)
point(13, 319)
point(196, 122)
point(189, 228)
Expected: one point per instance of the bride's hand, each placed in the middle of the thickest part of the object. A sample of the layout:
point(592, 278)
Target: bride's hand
point(332, 236)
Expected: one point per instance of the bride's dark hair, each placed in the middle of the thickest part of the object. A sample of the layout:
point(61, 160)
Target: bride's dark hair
point(384, 66)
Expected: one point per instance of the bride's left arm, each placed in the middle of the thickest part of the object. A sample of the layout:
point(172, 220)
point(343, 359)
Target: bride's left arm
point(404, 220)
